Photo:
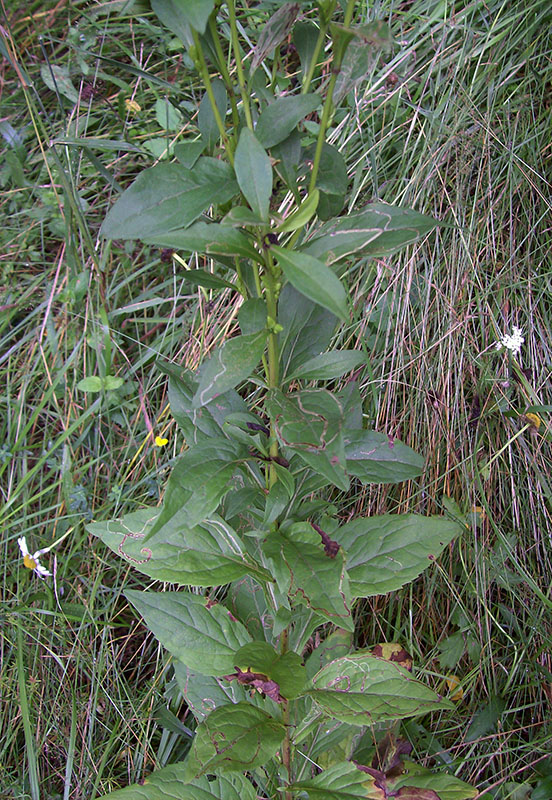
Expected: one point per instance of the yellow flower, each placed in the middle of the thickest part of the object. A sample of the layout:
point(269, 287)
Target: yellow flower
point(31, 561)
point(132, 105)
point(534, 419)
point(161, 442)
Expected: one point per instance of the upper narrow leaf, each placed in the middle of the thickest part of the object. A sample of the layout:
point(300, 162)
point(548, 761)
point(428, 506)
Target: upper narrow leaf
point(168, 196)
point(313, 279)
point(254, 173)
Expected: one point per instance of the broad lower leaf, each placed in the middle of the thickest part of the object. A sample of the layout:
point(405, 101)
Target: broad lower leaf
point(207, 555)
point(313, 279)
point(342, 781)
point(336, 645)
point(188, 152)
point(307, 329)
point(253, 173)
point(376, 458)
point(194, 13)
point(198, 424)
point(168, 196)
point(252, 315)
point(208, 238)
point(201, 634)
point(309, 422)
point(327, 366)
point(363, 690)
point(229, 365)
point(170, 783)
point(416, 779)
point(278, 120)
point(378, 230)
point(306, 573)
point(387, 551)
point(234, 738)
point(332, 174)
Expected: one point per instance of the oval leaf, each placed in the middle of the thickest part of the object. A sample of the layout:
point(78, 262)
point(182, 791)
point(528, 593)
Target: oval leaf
point(251, 737)
point(363, 690)
point(203, 636)
point(229, 365)
point(387, 551)
point(279, 119)
point(376, 458)
point(313, 279)
point(254, 173)
point(168, 196)
point(204, 237)
point(169, 783)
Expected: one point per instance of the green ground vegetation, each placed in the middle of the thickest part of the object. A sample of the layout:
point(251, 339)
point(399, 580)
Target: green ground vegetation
point(454, 121)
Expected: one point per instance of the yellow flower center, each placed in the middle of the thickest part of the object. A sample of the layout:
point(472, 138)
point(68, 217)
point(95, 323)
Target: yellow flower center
point(29, 562)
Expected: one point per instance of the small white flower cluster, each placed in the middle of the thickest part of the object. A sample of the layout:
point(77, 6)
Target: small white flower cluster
point(31, 560)
point(513, 342)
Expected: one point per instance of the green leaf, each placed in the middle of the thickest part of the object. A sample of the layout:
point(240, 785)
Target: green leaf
point(206, 121)
point(387, 551)
point(201, 634)
point(303, 571)
point(194, 13)
point(363, 690)
point(188, 152)
point(442, 784)
point(167, 116)
point(305, 37)
point(91, 384)
point(342, 781)
point(327, 366)
point(307, 329)
point(286, 669)
point(309, 422)
point(170, 783)
point(288, 158)
point(302, 215)
point(313, 279)
point(486, 719)
point(336, 645)
point(252, 315)
point(204, 693)
point(253, 173)
point(378, 230)
point(250, 738)
point(201, 277)
point(168, 196)
point(207, 555)
point(280, 118)
point(197, 484)
point(229, 365)
point(204, 237)
point(57, 79)
point(198, 424)
point(332, 173)
point(376, 458)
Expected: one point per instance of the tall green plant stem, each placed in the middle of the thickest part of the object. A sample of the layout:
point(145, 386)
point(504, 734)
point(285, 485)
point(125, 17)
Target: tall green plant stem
point(273, 354)
point(224, 71)
point(318, 46)
point(237, 57)
point(204, 72)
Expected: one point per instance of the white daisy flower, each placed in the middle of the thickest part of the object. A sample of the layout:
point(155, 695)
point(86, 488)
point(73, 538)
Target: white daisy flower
point(31, 560)
point(513, 342)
